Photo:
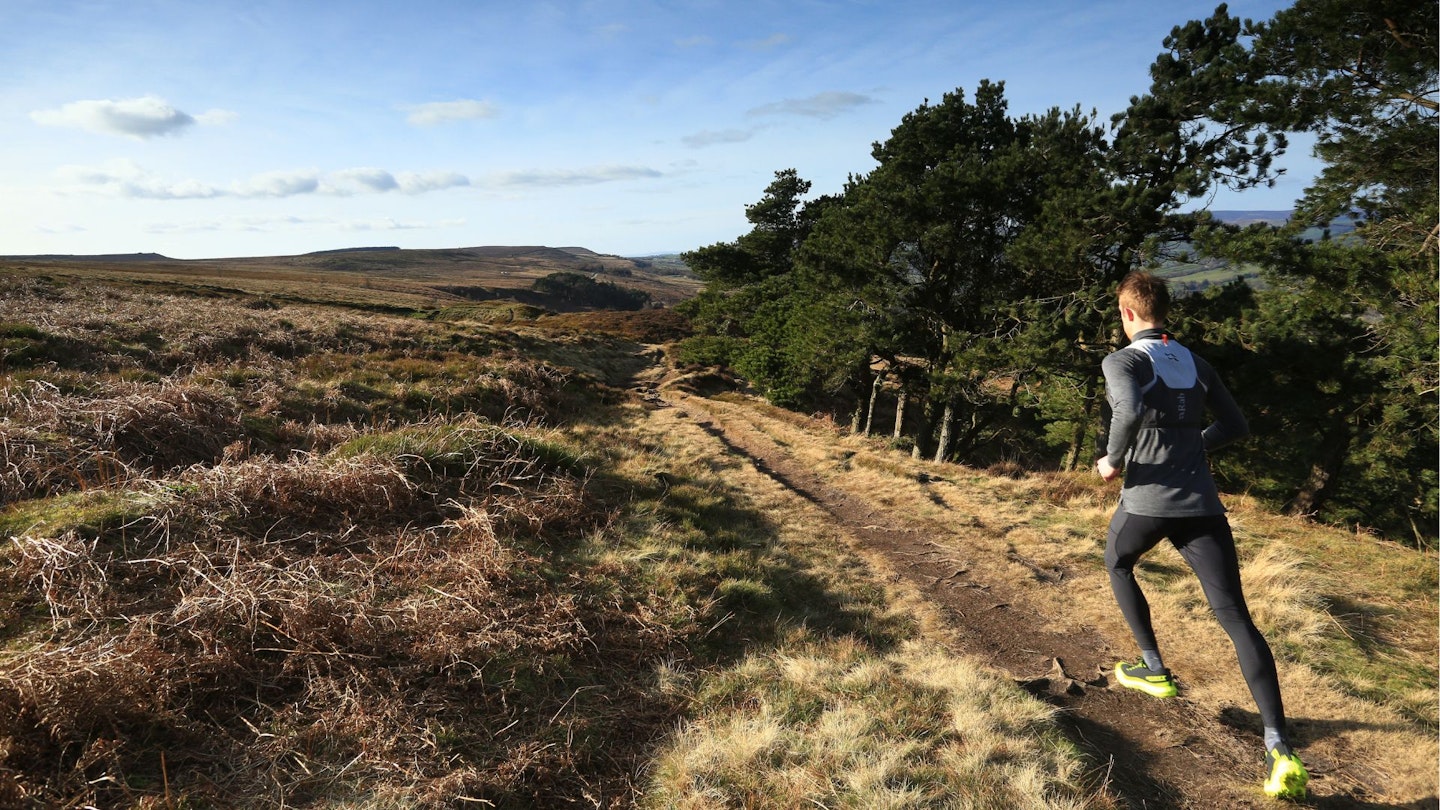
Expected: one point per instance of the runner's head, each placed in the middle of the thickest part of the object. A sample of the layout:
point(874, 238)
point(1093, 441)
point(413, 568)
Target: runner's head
point(1146, 295)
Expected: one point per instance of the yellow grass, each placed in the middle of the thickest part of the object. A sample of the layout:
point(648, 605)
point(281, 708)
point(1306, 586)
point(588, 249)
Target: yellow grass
point(823, 721)
point(1352, 619)
point(837, 725)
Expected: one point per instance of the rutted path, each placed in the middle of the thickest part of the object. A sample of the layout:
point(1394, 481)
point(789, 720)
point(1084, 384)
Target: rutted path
point(1154, 754)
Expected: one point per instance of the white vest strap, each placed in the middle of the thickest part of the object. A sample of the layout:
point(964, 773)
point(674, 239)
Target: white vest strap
point(1172, 362)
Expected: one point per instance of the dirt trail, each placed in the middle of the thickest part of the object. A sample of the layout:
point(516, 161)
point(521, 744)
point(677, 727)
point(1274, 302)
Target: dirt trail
point(1159, 754)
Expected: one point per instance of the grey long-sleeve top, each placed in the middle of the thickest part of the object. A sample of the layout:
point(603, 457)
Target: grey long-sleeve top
point(1158, 392)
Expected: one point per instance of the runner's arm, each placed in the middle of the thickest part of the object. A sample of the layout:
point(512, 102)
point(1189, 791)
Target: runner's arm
point(1230, 424)
point(1123, 377)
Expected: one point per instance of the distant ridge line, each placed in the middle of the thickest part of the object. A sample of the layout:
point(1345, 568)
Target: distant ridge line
point(352, 250)
point(1232, 216)
point(1240, 216)
point(94, 257)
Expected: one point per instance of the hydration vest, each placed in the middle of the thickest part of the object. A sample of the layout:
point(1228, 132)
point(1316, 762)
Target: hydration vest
point(1175, 396)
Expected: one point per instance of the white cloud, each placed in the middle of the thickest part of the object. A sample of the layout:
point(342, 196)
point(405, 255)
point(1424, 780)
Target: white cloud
point(349, 181)
point(124, 178)
point(822, 105)
point(272, 224)
point(144, 117)
point(697, 41)
point(441, 112)
point(710, 138)
point(362, 180)
point(247, 224)
point(279, 184)
point(573, 177)
point(421, 182)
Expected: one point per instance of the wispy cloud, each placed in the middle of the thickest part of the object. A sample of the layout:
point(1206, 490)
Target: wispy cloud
point(769, 43)
point(144, 117)
point(64, 228)
point(696, 41)
point(127, 179)
point(391, 224)
point(124, 178)
point(443, 112)
point(347, 181)
point(422, 182)
point(271, 224)
point(279, 184)
point(700, 140)
point(573, 177)
point(822, 105)
point(216, 117)
point(369, 180)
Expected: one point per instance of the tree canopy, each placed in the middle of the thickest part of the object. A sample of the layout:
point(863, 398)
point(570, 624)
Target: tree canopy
point(970, 272)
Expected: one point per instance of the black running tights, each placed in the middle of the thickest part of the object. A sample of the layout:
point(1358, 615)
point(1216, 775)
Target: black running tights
point(1209, 548)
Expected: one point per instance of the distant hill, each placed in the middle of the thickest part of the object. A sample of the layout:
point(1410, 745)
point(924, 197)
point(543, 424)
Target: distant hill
point(1339, 227)
point(1191, 271)
point(385, 277)
point(351, 250)
point(1252, 217)
point(112, 258)
point(668, 264)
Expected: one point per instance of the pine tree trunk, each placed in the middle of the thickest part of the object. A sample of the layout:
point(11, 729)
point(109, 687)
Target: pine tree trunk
point(900, 415)
point(1323, 473)
point(870, 409)
point(922, 433)
point(942, 446)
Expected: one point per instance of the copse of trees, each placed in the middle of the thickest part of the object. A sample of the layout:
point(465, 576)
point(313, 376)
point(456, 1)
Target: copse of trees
point(576, 289)
point(959, 296)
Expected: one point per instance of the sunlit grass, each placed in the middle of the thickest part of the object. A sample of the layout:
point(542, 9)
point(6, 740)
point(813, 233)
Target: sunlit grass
point(1352, 619)
point(834, 724)
point(399, 563)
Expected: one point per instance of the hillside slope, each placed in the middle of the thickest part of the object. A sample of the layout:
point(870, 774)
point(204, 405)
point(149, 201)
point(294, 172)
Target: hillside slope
point(266, 553)
point(375, 278)
point(1014, 564)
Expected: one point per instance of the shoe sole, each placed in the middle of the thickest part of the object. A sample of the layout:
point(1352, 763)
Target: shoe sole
point(1287, 781)
point(1159, 690)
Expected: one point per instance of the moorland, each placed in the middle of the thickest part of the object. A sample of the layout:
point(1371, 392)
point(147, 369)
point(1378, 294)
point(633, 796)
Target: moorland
point(315, 532)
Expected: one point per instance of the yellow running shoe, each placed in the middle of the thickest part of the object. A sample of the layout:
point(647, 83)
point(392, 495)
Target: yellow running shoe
point(1285, 775)
point(1156, 682)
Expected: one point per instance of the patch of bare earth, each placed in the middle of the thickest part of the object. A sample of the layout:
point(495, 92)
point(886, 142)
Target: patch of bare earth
point(1153, 754)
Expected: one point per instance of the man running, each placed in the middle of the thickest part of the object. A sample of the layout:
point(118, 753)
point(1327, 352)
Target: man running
point(1157, 392)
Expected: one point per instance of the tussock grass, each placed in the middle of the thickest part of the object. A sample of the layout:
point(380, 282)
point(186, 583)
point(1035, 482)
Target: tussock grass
point(352, 571)
point(834, 724)
point(290, 627)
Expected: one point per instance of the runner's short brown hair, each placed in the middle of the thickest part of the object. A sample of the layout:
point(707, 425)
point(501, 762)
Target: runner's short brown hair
point(1146, 294)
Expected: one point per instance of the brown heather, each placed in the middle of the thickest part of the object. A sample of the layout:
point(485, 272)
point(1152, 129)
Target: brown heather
point(251, 564)
point(265, 555)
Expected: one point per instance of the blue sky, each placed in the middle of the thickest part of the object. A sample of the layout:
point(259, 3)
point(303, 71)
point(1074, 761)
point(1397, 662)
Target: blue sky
point(275, 127)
